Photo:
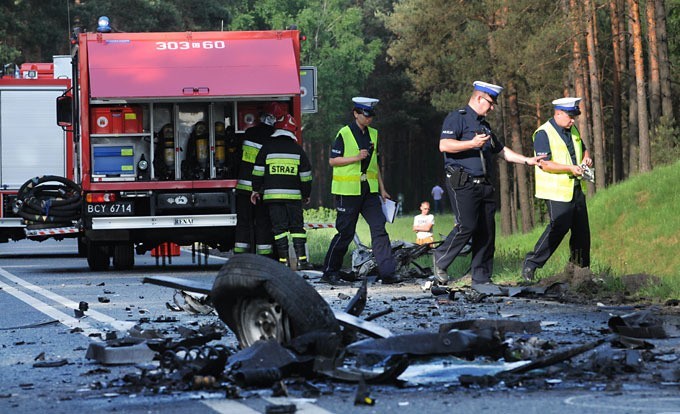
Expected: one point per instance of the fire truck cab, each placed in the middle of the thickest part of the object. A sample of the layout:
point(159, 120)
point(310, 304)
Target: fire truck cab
point(158, 120)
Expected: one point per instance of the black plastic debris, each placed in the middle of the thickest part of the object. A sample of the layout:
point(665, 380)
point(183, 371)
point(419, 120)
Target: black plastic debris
point(480, 381)
point(557, 357)
point(82, 308)
point(280, 409)
point(501, 325)
point(611, 362)
point(638, 325)
point(205, 361)
point(50, 364)
point(266, 362)
point(461, 343)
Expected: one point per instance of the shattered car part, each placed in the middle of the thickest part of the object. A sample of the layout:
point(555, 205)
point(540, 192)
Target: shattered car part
point(638, 325)
point(193, 303)
point(559, 356)
point(404, 253)
point(203, 361)
point(502, 326)
point(462, 343)
point(266, 362)
point(129, 352)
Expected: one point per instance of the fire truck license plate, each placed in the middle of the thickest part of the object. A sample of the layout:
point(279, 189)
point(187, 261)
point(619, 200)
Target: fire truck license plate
point(119, 208)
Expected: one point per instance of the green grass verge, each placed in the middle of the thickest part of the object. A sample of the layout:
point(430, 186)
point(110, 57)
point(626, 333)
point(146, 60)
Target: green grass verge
point(635, 229)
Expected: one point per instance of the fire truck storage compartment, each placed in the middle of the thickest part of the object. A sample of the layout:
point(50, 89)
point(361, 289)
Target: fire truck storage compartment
point(113, 160)
point(174, 202)
point(116, 120)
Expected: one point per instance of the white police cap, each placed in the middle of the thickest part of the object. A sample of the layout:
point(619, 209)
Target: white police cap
point(568, 105)
point(492, 90)
point(365, 104)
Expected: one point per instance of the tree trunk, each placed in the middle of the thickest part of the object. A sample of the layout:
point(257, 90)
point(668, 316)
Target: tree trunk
point(653, 52)
point(617, 147)
point(507, 207)
point(645, 147)
point(520, 170)
point(633, 125)
point(596, 107)
point(664, 64)
point(578, 69)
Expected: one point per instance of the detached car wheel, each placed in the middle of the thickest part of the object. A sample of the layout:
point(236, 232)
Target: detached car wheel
point(258, 298)
point(260, 318)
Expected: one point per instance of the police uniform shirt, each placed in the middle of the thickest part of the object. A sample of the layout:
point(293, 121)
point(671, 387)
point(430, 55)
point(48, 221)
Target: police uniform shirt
point(363, 141)
point(461, 125)
point(542, 143)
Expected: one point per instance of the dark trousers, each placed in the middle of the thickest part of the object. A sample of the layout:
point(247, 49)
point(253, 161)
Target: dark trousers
point(252, 226)
point(438, 206)
point(286, 217)
point(564, 216)
point(474, 206)
point(348, 209)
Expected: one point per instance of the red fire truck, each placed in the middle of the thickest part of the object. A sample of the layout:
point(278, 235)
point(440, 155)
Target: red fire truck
point(31, 144)
point(155, 118)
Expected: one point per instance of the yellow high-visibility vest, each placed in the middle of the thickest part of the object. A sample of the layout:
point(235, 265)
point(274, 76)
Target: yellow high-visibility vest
point(347, 178)
point(558, 186)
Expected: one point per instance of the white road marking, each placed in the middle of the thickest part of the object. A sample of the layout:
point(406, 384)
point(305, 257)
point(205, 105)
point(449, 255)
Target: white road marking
point(117, 325)
point(643, 404)
point(229, 407)
point(303, 405)
point(48, 310)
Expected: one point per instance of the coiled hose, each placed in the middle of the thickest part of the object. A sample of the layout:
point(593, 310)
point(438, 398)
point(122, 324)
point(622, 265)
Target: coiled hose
point(48, 201)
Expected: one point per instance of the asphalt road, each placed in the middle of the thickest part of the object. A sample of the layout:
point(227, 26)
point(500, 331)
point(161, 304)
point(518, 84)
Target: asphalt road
point(41, 285)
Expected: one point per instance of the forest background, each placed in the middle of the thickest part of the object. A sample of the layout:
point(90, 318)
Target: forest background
point(420, 57)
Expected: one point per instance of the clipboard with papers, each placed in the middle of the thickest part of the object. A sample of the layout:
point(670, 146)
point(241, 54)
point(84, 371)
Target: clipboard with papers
point(390, 209)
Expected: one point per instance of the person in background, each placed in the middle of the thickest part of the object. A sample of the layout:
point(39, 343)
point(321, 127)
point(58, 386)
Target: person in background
point(282, 179)
point(558, 182)
point(252, 220)
point(423, 224)
point(437, 193)
point(358, 189)
point(469, 147)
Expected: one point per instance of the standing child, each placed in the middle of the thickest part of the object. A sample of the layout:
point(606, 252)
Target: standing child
point(282, 178)
point(423, 224)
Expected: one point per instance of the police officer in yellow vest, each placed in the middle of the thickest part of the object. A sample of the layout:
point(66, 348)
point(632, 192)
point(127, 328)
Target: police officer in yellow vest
point(558, 181)
point(358, 189)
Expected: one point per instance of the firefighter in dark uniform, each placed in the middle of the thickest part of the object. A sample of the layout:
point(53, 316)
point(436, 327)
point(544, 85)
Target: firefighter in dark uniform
point(282, 178)
point(558, 182)
point(252, 221)
point(469, 148)
point(358, 188)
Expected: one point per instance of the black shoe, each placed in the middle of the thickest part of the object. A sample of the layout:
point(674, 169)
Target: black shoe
point(528, 274)
point(333, 279)
point(466, 249)
point(305, 265)
point(391, 280)
point(440, 274)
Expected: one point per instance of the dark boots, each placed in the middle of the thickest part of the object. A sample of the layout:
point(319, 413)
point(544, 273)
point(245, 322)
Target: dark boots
point(301, 253)
point(282, 250)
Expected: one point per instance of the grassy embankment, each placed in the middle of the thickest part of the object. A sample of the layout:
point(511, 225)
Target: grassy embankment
point(635, 229)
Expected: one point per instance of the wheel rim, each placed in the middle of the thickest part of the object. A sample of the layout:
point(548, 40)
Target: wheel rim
point(262, 319)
